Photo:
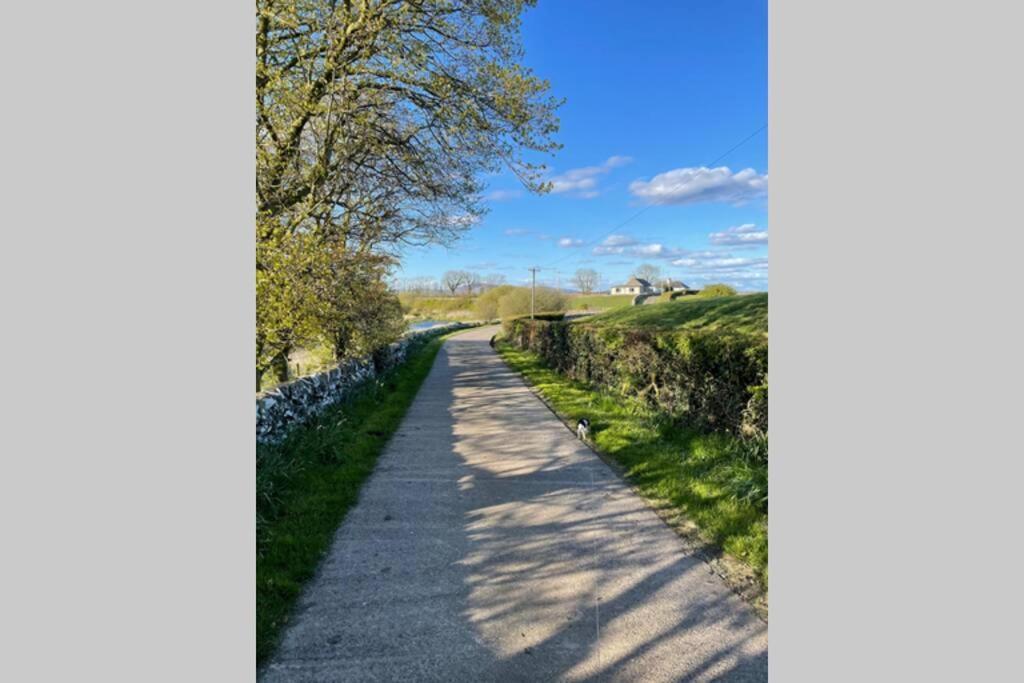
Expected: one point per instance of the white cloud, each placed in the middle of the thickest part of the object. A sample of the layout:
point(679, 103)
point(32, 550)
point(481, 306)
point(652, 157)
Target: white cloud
point(570, 242)
point(649, 250)
point(515, 232)
point(623, 244)
point(708, 265)
point(583, 181)
point(614, 244)
point(502, 195)
point(701, 184)
point(739, 235)
point(708, 262)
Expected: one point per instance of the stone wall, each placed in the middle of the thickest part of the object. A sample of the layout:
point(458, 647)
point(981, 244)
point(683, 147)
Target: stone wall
point(287, 405)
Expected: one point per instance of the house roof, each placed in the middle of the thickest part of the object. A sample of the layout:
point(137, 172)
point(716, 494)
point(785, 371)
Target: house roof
point(677, 283)
point(636, 282)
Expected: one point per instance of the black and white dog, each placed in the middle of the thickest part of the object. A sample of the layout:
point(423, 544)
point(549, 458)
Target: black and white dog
point(583, 429)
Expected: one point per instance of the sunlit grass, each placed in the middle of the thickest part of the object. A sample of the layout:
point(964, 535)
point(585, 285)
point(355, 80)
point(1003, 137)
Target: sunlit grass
point(307, 484)
point(704, 476)
point(599, 302)
point(742, 313)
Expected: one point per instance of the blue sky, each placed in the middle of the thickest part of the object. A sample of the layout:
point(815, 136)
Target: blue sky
point(655, 92)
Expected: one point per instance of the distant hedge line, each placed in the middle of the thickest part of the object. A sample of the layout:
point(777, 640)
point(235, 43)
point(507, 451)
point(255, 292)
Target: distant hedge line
point(713, 380)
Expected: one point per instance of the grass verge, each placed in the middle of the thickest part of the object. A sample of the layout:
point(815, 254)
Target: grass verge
point(306, 484)
point(716, 481)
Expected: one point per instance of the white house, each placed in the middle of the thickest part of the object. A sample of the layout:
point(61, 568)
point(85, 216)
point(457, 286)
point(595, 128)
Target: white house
point(635, 285)
point(675, 286)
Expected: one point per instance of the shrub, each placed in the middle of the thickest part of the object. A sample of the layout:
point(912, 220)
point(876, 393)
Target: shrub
point(755, 415)
point(517, 302)
point(486, 305)
point(717, 289)
point(713, 380)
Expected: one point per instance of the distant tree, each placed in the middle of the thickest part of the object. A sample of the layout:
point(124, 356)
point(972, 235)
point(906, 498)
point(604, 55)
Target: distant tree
point(453, 279)
point(472, 281)
point(494, 279)
point(586, 279)
point(648, 272)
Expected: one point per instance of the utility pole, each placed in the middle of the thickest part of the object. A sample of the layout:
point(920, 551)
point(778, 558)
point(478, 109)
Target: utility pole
point(533, 290)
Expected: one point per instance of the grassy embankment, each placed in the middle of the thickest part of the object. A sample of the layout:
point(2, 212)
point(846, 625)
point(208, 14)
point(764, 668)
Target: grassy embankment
point(306, 484)
point(745, 313)
point(709, 478)
point(599, 302)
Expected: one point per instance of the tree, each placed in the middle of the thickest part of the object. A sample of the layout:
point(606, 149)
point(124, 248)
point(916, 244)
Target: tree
point(453, 279)
point(389, 111)
point(648, 272)
point(375, 121)
point(472, 280)
point(586, 279)
point(358, 312)
point(287, 299)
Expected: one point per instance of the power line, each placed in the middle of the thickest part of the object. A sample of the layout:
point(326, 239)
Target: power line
point(533, 289)
point(641, 211)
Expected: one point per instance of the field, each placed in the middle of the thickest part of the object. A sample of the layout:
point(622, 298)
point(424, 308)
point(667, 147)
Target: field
point(599, 302)
point(746, 313)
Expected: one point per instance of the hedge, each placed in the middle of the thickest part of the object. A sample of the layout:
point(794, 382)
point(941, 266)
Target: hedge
point(713, 380)
point(540, 316)
point(673, 295)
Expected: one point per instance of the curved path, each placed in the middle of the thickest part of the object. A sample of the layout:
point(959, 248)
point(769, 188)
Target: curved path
point(491, 545)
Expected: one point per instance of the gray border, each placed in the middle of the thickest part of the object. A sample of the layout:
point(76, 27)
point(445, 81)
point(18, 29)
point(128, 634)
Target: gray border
point(127, 291)
point(894, 155)
point(128, 283)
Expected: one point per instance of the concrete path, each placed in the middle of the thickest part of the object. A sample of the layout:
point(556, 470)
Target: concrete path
point(491, 545)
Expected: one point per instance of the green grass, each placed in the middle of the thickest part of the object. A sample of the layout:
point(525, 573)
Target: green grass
point(600, 302)
point(718, 482)
point(743, 313)
point(306, 484)
point(302, 362)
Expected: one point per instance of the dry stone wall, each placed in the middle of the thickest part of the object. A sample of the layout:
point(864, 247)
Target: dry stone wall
point(287, 405)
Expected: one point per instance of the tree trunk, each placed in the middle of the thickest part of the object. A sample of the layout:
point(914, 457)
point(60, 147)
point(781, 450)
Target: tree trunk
point(280, 365)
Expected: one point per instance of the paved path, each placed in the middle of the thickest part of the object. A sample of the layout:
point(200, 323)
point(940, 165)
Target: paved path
point(491, 545)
